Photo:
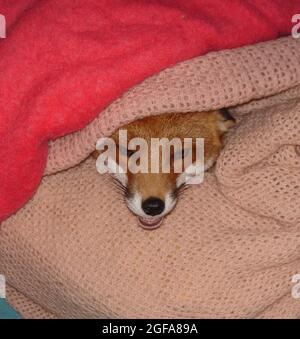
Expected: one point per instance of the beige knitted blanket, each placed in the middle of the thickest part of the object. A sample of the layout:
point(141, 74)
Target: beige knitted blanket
point(231, 247)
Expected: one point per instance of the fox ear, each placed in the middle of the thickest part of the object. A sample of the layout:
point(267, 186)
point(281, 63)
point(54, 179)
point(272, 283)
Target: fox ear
point(226, 120)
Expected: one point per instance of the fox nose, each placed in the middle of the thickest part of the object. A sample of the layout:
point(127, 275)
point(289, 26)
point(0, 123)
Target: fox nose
point(153, 206)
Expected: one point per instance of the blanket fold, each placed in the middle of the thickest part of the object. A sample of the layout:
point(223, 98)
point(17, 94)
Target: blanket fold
point(260, 170)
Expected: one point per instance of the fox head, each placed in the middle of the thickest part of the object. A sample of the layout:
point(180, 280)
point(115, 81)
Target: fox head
point(151, 195)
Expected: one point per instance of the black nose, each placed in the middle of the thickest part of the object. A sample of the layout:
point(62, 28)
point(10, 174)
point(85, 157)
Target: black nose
point(153, 206)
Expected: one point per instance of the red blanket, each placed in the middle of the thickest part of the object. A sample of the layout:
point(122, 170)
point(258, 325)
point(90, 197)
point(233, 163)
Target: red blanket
point(63, 61)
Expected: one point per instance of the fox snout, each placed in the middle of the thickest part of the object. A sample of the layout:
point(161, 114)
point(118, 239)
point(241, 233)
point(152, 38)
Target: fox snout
point(151, 196)
point(153, 206)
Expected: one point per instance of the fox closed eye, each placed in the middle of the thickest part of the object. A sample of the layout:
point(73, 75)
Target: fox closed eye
point(126, 152)
point(130, 152)
point(181, 154)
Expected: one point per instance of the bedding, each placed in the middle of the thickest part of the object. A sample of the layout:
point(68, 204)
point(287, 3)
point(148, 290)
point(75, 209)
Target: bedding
point(230, 249)
point(64, 61)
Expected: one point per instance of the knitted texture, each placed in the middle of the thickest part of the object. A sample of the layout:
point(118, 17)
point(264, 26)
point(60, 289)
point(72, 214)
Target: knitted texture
point(231, 246)
point(26, 306)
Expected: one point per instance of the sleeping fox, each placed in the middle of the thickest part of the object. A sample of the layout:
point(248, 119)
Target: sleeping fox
point(151, 196)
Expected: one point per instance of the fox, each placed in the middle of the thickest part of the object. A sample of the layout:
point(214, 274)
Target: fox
point(152, 196)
